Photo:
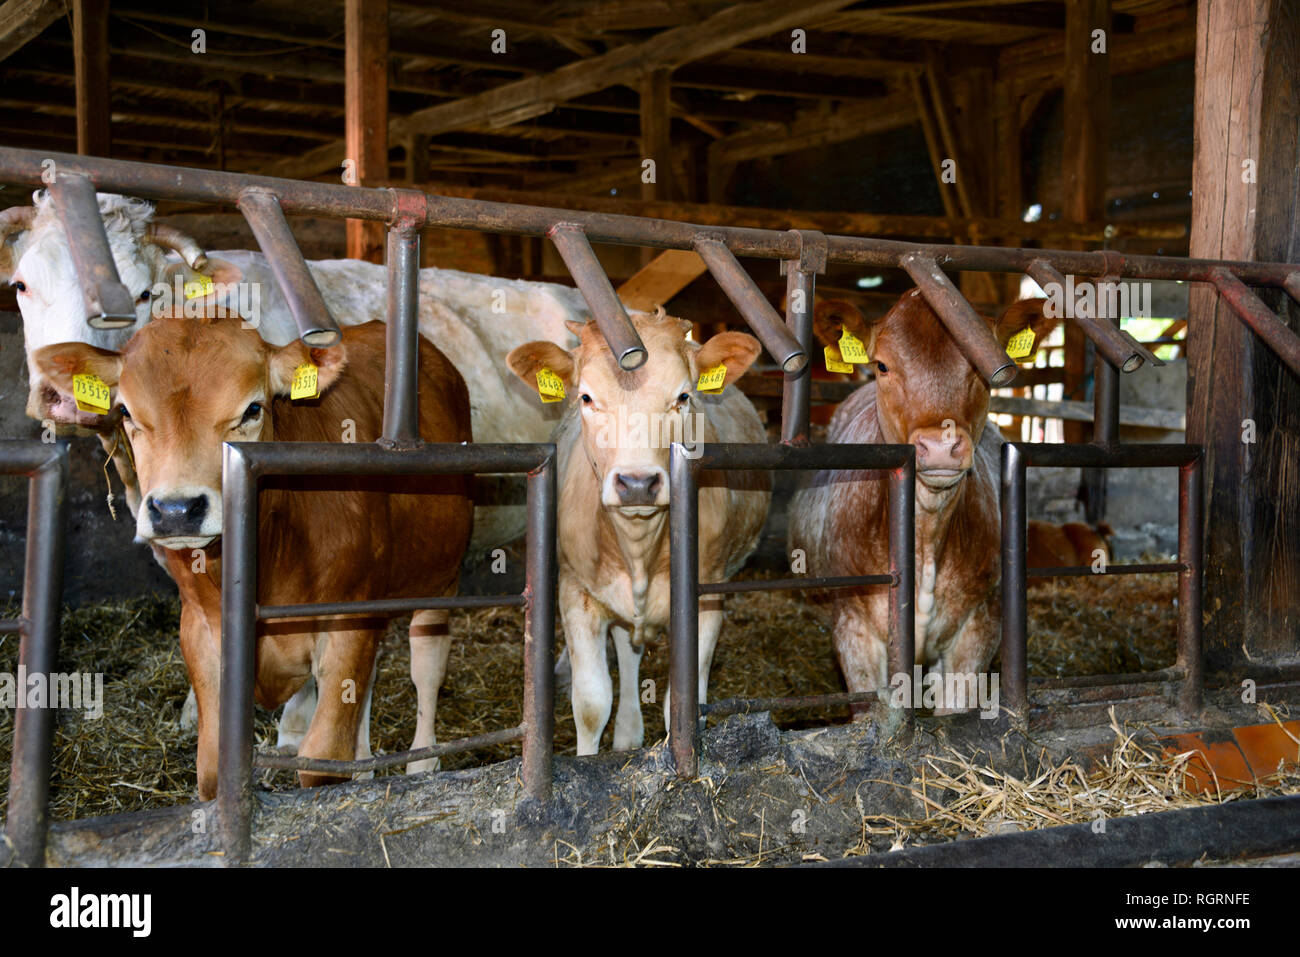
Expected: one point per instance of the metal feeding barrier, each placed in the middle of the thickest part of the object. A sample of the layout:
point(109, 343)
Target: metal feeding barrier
point(264, 202)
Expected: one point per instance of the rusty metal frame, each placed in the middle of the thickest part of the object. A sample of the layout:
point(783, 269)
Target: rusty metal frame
point(46, 467)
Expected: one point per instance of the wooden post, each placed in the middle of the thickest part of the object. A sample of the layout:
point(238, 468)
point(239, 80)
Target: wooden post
point(365, 24)
point(416, 150)
point(1244, 206)
point(656, 139)
point(90, 56)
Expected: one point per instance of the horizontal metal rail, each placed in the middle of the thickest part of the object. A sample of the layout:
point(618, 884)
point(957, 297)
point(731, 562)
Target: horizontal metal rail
point(45, 466)
point(292, 762)
point(389, 606)
point(793, 584)
point(1128, 568)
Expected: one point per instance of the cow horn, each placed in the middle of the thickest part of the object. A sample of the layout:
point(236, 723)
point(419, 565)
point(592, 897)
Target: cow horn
point(15, 219)
point(171, 238)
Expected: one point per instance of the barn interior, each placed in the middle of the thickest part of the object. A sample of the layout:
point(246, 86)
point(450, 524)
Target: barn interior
point(1050, 124)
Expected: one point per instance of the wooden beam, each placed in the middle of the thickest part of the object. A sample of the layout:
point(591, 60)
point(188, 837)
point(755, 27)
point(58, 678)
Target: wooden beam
point(22, 20)
point(536, 95)
point(656, 133)
point(1245, 206)
point(90, 56)
point(816, 128)
point(662, 278)
point(366, 112)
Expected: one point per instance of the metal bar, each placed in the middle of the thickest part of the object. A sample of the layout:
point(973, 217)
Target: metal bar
point(371, 458)
point(1277, 335)
point(109, 304)
point(832, 456)
point(1191, 549)
point(1098, 681)
point(1105, 399)
point(606, 308)
point(1135, 455)
point(261, 208)
point(684, 615)
point(1015, 626)
point(238, 651)
point(798, 703)
point(387, 606)
point(968, 330)
point(1080, 571)
point(539, 633)
point(1120, 349)
point(153, 181)
point(751, 304)
point(292, 762)
point(800, 295)
point(402, 353)
point(29, 776)
point(13, 626)
point(902, 565)
point(793, 584)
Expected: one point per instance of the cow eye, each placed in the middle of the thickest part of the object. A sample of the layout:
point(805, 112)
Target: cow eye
point(126, 416)
point(251, 413)
point(586, 399)
point(144, 296)
point(683, 398)
point(881, 369)
point(20, 286)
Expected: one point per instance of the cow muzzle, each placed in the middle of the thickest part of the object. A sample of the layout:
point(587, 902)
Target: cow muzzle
point(180, 518)
point(640, 492)
point(943, 455)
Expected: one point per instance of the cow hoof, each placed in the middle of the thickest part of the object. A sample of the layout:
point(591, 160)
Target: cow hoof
point(190, 712)
point(428, 764)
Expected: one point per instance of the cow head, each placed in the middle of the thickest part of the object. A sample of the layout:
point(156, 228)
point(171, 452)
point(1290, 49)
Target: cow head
point(181, 388)
point(630, 419)
point(36, 260)
point(927, 392)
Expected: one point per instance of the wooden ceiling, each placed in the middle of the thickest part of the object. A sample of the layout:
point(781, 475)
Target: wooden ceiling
point(556, 110)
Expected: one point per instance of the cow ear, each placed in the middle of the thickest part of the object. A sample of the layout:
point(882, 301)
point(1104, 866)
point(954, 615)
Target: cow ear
point(527, 360)
point(735, 350)
point(832, 316)
point(57, 365)
point(1026, 313)
point(207, 288)
point(286, 360)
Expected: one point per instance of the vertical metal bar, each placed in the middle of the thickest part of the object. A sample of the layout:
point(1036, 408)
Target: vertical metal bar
point(1105, 402)
point(684, 616)
point(796, 393)
point(1191, 553)
point(902, 565)
point(606, 308)
point(539, 632)
point(109, 305)
point(402, 353)
point(1015, 627)
point(238, 654)
point(29, 776)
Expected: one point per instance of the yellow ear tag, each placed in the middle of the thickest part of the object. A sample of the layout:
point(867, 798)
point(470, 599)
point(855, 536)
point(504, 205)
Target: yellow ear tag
point(305, 385)
point(200, 286)
point(91, 393)
point(549, 386)
point(834, 363)
point(1021, 345)
point(711, 380)
point(851, 348)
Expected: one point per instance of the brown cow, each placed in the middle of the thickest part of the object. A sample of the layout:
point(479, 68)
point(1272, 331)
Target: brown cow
point(613, 447)
point(183, 387)
point(925, 393)
point(1059, 546)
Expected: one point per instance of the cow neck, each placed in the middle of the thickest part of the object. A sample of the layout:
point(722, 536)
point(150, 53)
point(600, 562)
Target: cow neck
point(935, 515)
point(641, 542)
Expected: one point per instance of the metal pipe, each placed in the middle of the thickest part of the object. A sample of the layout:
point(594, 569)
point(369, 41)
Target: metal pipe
point(402, 352)
point(968, 330)
point(606, 308)
point(794, 584)
point(293, 762)
point(1105, 403)
point(796, 393)
point(109, 304)
point(1120, 349)
point(1015, 626)
point(1191, 550)
point(902, 565)
point(684, 614)
point(371, 458)
point(386, 606)
point(1277, 335)
point(261, 209)
point(1080, 571)
point(539, 632)
point(1174, 673)
point(238, 651)
point(751, 304)
point(47, 469)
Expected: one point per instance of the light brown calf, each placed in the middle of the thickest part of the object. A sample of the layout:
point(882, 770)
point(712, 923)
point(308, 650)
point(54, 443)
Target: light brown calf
point(1057, 546)
point(183, 387)
point(613, 447)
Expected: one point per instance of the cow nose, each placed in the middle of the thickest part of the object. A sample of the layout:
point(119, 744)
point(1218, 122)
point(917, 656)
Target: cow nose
point(177, 516)
point(638, 489)
point(934, 450)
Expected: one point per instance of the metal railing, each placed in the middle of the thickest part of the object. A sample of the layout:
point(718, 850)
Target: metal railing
point(803, 254)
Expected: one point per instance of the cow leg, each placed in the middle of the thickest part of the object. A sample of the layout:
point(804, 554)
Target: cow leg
point(296, 718)
point(629, 727)
point(709, 628)
point(362, 748)
point(200, 648)
point(864, 656)
point(430, 647)
point(592, 691)
point(342, 662)
point(968, 654)
point(190, 712)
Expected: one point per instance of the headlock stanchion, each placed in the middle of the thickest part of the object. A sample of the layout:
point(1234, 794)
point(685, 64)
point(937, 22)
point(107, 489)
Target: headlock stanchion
point(46, 467)
point(243, 465)
point(684, 567)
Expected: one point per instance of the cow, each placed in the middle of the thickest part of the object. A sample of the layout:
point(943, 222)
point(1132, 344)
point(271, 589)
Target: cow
point(183, 387)
point(1048, 545)
point(613, 446)
point(925, 393)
